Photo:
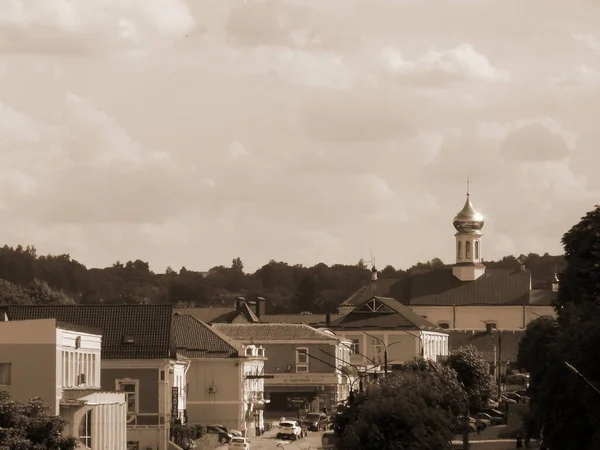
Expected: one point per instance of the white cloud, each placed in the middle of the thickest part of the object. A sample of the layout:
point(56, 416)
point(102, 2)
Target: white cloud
point(589, 41)
point(300, 131)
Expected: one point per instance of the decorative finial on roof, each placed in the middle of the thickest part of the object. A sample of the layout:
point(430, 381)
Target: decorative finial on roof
point(468, 187)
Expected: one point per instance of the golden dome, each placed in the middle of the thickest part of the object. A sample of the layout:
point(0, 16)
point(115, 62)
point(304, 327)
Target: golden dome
point(468, 220)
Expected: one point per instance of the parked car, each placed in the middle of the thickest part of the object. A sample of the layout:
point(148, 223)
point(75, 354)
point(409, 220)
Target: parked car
point(240, 443)
point(495, 413)
point(508, 400)
point(329, 440)
point(224, 437)
point(290, 429)
point(488, 418)
point(483, 423)
point(316, 421)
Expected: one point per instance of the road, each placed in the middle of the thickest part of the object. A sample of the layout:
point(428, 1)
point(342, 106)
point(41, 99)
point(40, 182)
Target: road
point(268, 442)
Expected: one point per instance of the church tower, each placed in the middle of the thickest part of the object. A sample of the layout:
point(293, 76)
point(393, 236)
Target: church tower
point(468, 224)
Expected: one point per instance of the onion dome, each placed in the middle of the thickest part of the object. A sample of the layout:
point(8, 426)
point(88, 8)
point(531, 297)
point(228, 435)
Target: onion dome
point(468, 220)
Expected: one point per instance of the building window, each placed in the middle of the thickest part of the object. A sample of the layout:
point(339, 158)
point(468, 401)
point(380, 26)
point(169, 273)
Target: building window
point(468, 249)
point(133, 445)
point(476, 249)
point(302, 359)
point(5, 369)
point(130, 388)
point(85, 429)
point(459, 250)
point(260, 352)
point(376, 348)
point(444, 325)
point(249, 351)
point(355, 347)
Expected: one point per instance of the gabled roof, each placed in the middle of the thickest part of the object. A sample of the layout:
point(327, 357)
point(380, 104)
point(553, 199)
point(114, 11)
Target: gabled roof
point(196, 339)
point(245, 311)
point(208, 314)
point(256, 332)
point(439, 287)
point(148, 325)
point(384, 313)
point(316, 320)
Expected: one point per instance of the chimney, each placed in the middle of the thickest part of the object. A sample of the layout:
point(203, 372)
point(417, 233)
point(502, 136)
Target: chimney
point(239, 301)
point(373, 274)
point(261, 306)
point(328, 320)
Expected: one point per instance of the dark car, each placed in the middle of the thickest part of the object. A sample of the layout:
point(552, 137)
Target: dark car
point(488, 417)
point(224, 436)
point(316, 421)
point(494, 413)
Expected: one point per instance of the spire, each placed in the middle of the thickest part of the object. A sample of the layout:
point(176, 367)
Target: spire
point(468, 220)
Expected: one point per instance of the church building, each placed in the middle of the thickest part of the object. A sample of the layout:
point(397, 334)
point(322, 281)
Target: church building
point(467, 295)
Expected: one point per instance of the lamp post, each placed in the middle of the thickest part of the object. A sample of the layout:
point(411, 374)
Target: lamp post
point(344, 362)
point(579, 374)
point(386, 346)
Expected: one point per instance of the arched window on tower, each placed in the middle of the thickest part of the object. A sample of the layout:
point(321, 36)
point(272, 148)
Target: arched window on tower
point(468, 249)
point(476, 249)
point(459, 250)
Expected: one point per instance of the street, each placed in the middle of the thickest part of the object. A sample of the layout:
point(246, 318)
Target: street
point(268, 442)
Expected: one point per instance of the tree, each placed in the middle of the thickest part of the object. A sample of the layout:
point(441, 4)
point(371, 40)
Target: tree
point(30, 426)
point(237, 265)
point(40, 294)
point(474, 374)
point(306, 293)
point(561, 401)
point(417, 408)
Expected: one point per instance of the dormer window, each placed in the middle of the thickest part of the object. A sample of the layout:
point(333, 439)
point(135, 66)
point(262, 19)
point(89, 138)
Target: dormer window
point(444, 325)
point(249, 351)
point(128, 340)
point(260, 352)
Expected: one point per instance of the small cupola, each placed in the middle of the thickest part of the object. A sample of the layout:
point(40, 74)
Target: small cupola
point(374, 274)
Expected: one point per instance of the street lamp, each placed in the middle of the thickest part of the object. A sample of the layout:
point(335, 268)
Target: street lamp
point(578, 373)
point(385, 347)
point(490, 329)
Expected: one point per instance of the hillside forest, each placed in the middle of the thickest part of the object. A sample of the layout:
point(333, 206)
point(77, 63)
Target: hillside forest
point(27, 278)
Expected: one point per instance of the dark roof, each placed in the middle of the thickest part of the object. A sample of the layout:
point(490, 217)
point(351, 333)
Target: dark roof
point(196, 339)
point(309, 319)
point(439, 287)
point(245, 311)
point(209, 314)
point(487, 343)
point(257, 332)
point(148, 325)
point(384, 312)
point(542, 297)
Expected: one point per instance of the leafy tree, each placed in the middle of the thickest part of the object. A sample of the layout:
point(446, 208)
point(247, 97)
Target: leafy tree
point(40, 294)
point(417, 408)
point(537, 339)
point(306, 293)
point(237, 264)
point(474, 374)
point(30, 426)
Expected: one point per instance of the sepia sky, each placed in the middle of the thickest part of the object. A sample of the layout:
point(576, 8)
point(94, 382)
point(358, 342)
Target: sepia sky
point(190, 133)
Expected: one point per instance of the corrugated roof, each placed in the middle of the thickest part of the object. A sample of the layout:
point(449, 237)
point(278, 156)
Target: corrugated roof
point(196, 339)
point(393, 314)
point(257, 332)
point(439, 287)
point(148, 325)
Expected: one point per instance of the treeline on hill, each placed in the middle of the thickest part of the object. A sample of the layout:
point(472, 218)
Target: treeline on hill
point(27, 278)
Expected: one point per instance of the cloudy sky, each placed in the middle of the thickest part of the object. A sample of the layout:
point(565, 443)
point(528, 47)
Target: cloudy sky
point(189, 133)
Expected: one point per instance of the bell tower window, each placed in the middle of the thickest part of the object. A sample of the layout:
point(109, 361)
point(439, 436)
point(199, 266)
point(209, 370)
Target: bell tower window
point(468, 249)
point(476, 249)
point(458, 250)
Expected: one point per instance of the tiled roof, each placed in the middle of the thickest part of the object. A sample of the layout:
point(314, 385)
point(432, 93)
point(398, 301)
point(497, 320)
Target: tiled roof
point(542, 297)
point(487, 343)
point(309, 319)
point(396, 316)
point(207, 315)
point(196, 339)
point(257, 332)
point(148, 325)
point(439, 287)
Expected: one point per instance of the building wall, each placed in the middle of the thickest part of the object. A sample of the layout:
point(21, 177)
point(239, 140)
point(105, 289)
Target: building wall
point(401, 346)
point(215, 392)
point(281, 355)
point(30, 349)
point(103, 421)
point(145, 407)
point(474, 317)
